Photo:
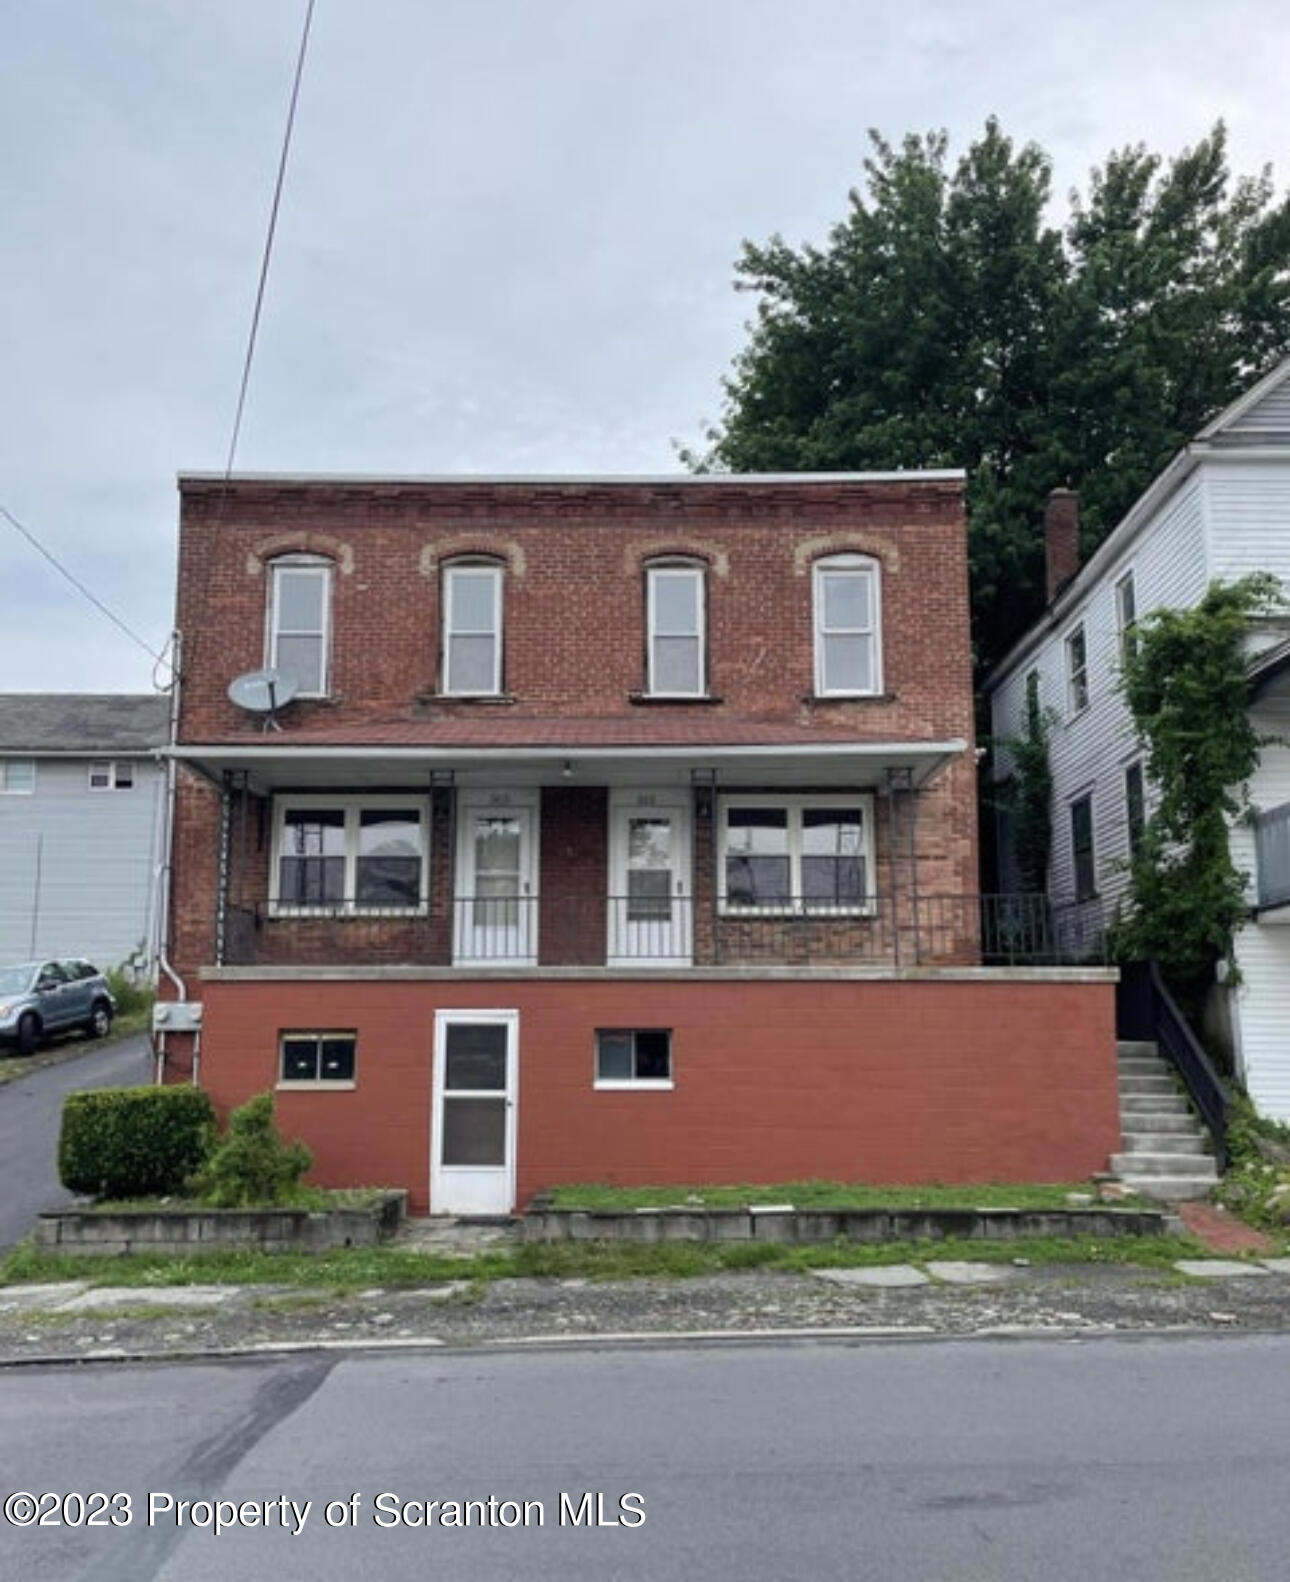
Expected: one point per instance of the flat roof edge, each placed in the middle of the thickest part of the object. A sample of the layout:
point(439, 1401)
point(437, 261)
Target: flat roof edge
point(572, 480)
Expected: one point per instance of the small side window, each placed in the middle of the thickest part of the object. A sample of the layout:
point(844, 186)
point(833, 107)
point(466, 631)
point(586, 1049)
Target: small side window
point(634, 1057)
point(1083, 857)
point(317, 1058)
point(1076, 671)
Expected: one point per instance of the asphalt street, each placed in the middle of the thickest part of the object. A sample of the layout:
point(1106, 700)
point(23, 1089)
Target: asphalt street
point(1148, 1458)
point(30, 1111)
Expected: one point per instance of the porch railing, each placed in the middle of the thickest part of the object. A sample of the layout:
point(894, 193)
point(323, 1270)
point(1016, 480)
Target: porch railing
point(554, 929)
point(1272, 855)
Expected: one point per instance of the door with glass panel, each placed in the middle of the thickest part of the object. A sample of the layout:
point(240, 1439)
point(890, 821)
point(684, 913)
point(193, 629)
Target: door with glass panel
point(472, 1143)
point(650, 902)
point(496, 905)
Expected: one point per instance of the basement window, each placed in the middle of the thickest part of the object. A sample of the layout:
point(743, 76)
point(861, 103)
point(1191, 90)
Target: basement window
point(326, 1059)
point(634, 1057)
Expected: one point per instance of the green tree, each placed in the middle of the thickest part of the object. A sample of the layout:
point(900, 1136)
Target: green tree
point(946, 322)
point(1184, 680)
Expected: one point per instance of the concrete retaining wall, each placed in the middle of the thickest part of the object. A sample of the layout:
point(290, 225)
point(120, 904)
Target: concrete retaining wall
point(186, 1231)
point(811, 1226)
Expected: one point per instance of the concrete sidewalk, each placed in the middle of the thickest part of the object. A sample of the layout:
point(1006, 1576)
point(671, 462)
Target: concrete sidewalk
point(76, 1322)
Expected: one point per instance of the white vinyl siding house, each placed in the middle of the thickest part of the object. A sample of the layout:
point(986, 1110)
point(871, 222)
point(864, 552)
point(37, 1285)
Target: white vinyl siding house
point(78, 860)
point(1220, 509)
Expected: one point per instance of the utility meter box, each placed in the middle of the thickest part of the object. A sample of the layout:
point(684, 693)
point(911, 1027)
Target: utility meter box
point(177, 1016)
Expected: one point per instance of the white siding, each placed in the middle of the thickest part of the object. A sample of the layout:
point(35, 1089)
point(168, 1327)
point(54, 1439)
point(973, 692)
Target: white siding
point(1269, 416)
point(1090, 752)
point(1262, 1019)
point(1249, 512)
point(77, 866)
point(1270, 783)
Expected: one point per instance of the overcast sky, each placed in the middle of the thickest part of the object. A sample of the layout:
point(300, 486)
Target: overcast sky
point(507, 236)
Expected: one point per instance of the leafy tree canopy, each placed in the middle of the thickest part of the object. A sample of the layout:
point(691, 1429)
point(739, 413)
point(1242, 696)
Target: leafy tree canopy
point(947, 322)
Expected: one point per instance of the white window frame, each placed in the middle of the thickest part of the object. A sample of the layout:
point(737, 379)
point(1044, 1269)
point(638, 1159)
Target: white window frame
point(111, 769)
point(6, 767)
point(861, 566)
point(633, 1084)
point(794, 807)
point(697, 573)
point(1085, 795)
point(318, 1083)
point(353, 808)
point(1124, 626)
point(1077, 681)
point(451, 571)
point(273, 630)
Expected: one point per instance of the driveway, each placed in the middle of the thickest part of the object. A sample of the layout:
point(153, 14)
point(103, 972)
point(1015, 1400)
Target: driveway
point(30, 1114)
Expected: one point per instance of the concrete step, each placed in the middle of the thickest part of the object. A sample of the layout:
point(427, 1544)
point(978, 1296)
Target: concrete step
point(1141, 1066)
point(1149, 1142)
point(1164, 1164)
point(1170, 1123)
point(1156, 1082)
point(1170, 1189)
point(1171, 1103)
point(1137, 1046)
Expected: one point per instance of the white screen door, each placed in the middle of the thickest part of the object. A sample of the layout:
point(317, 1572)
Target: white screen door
point(472, 1162)
point(496, 906)
point(650, 903)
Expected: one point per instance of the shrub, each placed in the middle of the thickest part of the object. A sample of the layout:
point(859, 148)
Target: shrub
point(252, 1166)
point(134, 1142)
point(132, 995)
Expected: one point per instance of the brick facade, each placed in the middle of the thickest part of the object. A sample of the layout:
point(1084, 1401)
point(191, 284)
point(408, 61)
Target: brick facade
point(776, 1076)
point(774, 1081)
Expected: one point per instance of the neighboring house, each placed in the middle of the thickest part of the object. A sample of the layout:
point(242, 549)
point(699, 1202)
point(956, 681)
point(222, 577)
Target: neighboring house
point(81, 795)
point(1220, 509)
point(619, 829)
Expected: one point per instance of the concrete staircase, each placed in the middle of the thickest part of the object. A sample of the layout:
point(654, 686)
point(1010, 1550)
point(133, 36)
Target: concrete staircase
point(1166, 1148)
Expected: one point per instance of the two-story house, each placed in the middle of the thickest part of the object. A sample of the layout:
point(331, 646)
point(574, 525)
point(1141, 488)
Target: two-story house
point(1219, 510)
point(615, 829)
point(81, 795)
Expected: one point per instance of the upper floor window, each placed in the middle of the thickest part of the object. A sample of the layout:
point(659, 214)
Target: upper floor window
point(676, 620)
point(1076, 671)
point(17, 776)
point(472, 629)
point(847, 627)
point(300, 622)
point(106, 775)
point(1126, 614)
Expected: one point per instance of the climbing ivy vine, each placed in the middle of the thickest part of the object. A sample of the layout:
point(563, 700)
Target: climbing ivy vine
point(1184, 678)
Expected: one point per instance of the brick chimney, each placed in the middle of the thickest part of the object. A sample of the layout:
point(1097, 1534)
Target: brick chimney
point(1061, 540)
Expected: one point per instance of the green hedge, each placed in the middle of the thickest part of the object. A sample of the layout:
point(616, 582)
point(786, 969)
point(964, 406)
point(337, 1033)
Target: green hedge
point(134, 1142)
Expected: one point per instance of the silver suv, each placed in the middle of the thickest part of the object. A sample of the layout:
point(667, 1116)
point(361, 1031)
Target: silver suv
point(39, 998)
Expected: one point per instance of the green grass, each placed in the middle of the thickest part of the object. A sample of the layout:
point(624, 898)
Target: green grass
point(823, 1195)
point(351, 1269)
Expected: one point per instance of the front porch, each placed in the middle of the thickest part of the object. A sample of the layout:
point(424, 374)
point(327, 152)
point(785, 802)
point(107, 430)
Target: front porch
point(810, 854)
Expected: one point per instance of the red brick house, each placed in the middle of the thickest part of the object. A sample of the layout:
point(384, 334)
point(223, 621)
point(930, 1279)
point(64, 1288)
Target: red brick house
point(618, 830)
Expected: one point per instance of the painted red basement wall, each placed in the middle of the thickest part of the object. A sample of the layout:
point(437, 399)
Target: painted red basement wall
point(896, 1082)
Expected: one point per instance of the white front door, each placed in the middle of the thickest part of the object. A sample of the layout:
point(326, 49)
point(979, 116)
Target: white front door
point(472, 1134)
point(650, 901)
point(495, 913)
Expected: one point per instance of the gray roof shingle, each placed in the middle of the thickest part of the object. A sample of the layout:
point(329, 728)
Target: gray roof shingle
point(79, 722)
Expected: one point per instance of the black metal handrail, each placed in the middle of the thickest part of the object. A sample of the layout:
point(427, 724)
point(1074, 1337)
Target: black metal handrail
point(1146, 1010)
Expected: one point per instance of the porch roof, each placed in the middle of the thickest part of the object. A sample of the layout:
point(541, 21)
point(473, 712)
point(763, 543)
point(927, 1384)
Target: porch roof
point(648, 751)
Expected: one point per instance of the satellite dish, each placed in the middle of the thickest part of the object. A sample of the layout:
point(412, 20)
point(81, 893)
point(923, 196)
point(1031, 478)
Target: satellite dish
point(263, 692)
